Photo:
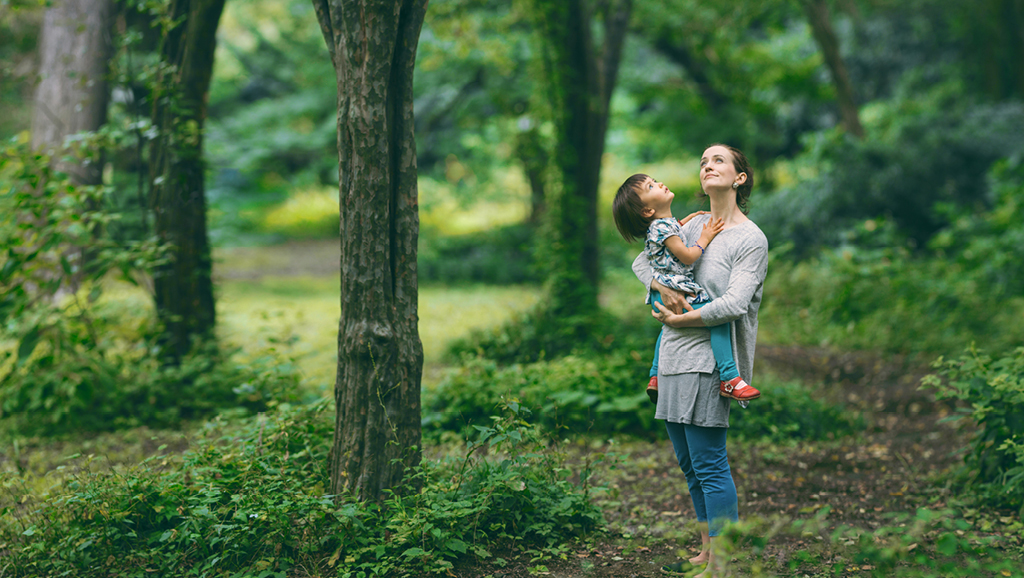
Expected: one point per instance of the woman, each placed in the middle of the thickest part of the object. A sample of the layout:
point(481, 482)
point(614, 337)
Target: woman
point(732, 269)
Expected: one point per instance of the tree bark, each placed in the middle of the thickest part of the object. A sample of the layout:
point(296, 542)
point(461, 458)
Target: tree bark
point(581, 79)
point(184, 289)
point(821, 27)
point(380, 357)
point(72, 95)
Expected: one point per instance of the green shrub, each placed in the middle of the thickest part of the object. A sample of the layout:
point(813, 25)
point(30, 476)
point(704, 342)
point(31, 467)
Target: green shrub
point(503, 255)
point(887, 300)
point(251, 500)
point(68, 360)
point(924, 544)
point(606, 394)
point(992, 390)
point(540, 335)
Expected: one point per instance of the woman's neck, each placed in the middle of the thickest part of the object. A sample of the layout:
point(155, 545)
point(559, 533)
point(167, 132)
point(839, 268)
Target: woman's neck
point(723, 206)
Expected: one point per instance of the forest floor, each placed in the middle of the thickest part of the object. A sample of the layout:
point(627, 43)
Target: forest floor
point(865, 480)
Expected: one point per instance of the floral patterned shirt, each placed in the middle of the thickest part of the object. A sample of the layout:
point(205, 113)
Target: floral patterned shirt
point(668, 270)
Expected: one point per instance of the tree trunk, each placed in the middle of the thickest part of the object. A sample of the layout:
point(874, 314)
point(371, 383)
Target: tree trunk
point(581, 80)
point(71, 98)
point(824, 35)
point(529, 149)
point(184, 289)
point(380, 357)
point(74, 51)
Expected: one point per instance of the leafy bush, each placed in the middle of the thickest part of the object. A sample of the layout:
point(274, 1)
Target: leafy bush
point(252, 502)
point(307, 214)
point(924, 544)
point(503, 255)
point(606, 394)
point(993, 393)
point(70, 361)
point(541, 335)
point(922, 156)
point(875, 294)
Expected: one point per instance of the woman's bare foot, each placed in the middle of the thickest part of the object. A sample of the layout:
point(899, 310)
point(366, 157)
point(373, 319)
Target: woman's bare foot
point(701, 558)
point(709, 570)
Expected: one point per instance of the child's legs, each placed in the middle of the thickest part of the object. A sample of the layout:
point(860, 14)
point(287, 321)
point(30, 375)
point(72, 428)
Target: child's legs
point(655, 296)
point(721, 346)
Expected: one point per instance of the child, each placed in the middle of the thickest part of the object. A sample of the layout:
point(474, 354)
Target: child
point(643, 209)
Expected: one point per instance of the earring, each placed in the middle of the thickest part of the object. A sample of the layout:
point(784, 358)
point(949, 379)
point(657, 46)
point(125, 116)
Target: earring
point(735, 185)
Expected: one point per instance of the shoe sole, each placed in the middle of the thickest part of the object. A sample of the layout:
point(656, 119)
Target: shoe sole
point(653, 394)
point(723, 394)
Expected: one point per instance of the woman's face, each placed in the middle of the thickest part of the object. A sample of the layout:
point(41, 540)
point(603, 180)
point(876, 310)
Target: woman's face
point(717, 171)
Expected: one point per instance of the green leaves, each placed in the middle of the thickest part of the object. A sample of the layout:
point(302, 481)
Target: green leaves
point(993, 389)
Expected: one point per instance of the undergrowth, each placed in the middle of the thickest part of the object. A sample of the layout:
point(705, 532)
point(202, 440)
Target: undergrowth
point(250, 499)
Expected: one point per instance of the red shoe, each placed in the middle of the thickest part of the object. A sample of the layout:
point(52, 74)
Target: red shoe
point(728, 389)
point(652, 389)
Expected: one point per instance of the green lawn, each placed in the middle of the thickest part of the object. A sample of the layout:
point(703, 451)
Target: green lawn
point(254, 313)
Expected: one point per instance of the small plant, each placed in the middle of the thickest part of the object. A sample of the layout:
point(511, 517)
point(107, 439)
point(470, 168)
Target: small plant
point(993, 391)
point(602, 394)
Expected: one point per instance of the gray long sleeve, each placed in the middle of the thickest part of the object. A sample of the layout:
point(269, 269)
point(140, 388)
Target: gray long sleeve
point(732, 270)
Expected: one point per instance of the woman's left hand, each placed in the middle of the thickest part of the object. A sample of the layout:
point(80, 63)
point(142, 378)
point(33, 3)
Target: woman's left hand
point(666, 316)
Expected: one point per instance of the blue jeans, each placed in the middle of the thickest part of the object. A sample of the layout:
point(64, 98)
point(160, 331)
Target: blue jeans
point(702, 457)
point(721, 344)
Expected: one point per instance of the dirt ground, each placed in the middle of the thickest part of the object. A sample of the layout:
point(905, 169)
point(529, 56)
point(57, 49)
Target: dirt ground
point(864, 479)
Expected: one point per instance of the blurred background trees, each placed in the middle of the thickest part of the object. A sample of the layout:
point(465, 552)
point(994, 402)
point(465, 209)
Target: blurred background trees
point(887, 137)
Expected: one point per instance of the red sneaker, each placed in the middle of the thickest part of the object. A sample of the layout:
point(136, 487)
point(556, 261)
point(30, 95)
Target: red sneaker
point(728, 389)
point(652, 389)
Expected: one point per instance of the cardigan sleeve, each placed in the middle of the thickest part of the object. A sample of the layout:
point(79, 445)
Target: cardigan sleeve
point(642, 270)
point(749, 269)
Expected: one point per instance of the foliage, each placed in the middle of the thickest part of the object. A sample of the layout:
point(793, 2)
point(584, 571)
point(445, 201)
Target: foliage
point(992, 390)
point(71, 360)
point(503, 255)
point(924, 544)
point(874, 293)
point(252, 503)
point(604, 394)
point(919, 168)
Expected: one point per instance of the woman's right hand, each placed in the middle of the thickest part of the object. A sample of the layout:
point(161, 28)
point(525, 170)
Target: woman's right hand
point(674, 300)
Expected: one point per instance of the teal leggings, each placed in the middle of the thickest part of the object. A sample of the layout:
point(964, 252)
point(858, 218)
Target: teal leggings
point(721, 344)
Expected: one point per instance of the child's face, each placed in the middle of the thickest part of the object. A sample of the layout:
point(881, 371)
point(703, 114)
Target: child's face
point(654, 195)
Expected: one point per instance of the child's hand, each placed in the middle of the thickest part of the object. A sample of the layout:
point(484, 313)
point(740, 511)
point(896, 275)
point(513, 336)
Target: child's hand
point(687, 218)
point(710, 230)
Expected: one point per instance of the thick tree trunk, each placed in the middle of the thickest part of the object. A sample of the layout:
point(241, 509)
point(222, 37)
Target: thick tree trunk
point(74, 51)
point(825, 36)
point(184, 289)
point(581, 79)
point(380, 357)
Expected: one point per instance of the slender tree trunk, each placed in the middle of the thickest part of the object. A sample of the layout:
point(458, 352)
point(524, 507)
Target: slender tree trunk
point(581, 79)
point(821, 27)
point(529, 149)
point(184, 289)
point(380, 357)
point(72, 94)
point(71, 98)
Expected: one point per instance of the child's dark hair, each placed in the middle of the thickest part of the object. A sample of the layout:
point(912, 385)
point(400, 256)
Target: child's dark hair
point(628, 210)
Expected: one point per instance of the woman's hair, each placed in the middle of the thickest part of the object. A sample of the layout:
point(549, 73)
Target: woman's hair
point(628, 210)
point(742, 165)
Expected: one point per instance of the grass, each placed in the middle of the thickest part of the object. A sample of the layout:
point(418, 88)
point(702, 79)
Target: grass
point(255, 313)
